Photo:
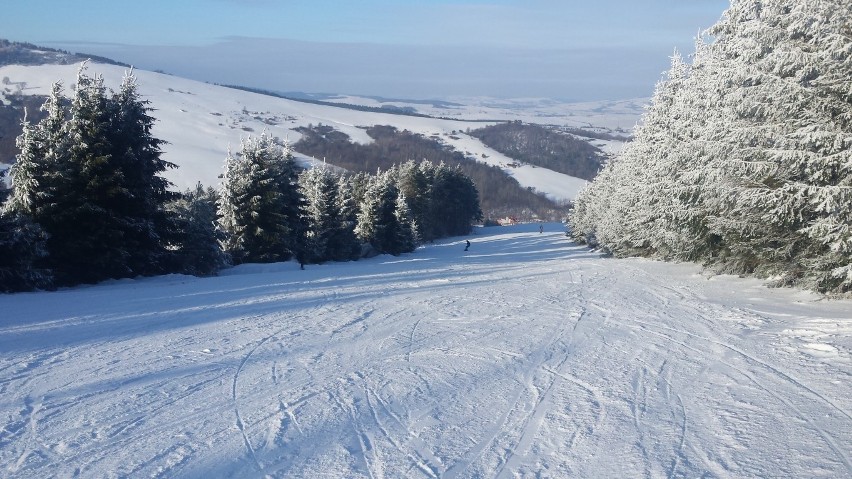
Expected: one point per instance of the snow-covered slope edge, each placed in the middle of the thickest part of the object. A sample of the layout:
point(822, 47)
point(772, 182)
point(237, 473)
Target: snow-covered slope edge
point(201, 121)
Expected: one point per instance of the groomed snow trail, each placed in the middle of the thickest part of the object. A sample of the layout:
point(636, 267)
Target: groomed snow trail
point(526, 356)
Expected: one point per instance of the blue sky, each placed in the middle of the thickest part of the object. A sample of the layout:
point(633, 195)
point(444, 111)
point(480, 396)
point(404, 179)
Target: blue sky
point(582, 50)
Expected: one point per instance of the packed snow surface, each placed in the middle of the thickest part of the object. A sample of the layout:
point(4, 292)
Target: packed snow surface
point(526, 356)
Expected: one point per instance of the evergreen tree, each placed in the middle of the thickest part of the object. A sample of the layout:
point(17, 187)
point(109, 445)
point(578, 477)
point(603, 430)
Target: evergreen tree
point(787, 112)
point(43, 151)
point(22, 246)
point(144, 193)
point(4, 190)
point(453, 202)
point(405, 227)
point(359, 183)
point(194, 245)
point(376, 215)
point(633, 202)
point(385, 220)
point(318, 186)
point(260, 206)
point(344, 244)
point(86, 236)
point(414, 181)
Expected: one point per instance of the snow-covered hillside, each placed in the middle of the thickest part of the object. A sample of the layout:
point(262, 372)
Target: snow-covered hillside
point(526, 356)
point(201, 121)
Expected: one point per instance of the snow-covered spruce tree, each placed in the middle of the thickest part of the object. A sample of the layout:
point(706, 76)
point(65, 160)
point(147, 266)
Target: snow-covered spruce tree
point(144, 193)
point(22, 246)
point(260, 204)
point(35, 189)
point(657, 206)
point(830, 189)
point(113, 223)
point(43, 150)
point(453, 202)
point(86, 236)
point(344, 244)
point(378, 222)
point(779, 197)
point(5, 191)
point(414, 181)
point(373, 211)
point(407, 237)
point(194, 245)
point(689, 148)
point(321, 213)
point(623, 208)
point(359, 183)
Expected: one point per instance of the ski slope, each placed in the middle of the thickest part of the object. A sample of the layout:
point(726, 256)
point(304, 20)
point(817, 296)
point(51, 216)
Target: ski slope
point(527, 356)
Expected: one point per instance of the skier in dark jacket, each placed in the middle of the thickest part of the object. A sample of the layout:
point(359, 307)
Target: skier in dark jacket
point(467, 245)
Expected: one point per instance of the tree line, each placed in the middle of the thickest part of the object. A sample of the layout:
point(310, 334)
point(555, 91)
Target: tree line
point(500, 195)
point(88, 201)
point(743, 160)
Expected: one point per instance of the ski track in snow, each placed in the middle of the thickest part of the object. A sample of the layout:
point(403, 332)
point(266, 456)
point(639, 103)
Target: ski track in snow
point(526, 356)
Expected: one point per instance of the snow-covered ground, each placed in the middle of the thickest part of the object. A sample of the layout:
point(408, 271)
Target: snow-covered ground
point(201, 121)
point(527, 356)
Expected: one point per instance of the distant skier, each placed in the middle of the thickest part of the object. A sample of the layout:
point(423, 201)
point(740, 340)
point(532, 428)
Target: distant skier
point(540, 229)
point(467, 245)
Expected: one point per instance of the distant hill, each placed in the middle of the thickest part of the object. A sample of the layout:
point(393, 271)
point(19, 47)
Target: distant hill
point(544, 147)
point(18, 53)
point(201, 121)
point(390, 109)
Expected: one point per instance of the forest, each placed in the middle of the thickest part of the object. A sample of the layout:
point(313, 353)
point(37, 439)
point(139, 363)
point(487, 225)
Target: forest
point(743, 161)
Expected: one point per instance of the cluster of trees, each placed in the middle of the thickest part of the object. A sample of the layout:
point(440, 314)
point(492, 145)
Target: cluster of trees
point(541, 146)
point(500, 195)
point(270, 211)
point(744, 159)
point(89, 201)
point(87, 187)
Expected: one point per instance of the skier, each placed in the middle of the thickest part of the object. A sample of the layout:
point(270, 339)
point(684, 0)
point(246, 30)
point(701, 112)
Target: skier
point(540, 229)
point(467, 245)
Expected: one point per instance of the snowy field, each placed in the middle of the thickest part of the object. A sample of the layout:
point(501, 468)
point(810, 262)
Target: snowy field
point(201, 121)
point(527, 356)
